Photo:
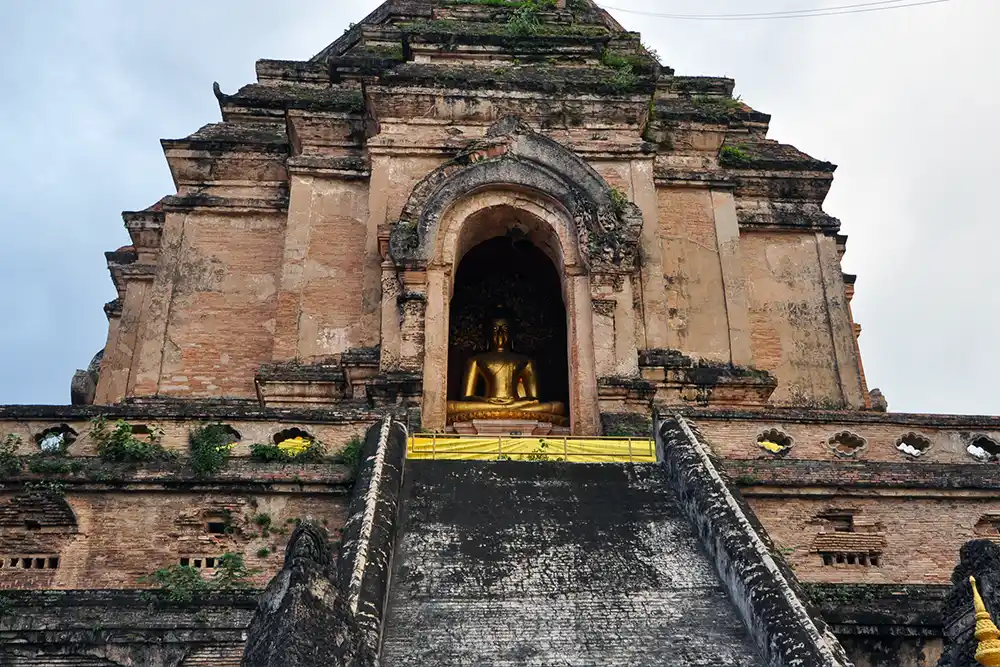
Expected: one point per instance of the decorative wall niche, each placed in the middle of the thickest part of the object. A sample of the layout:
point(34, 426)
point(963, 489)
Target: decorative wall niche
point(849, 539)
point(775, 441)
point(862, 559)
point(34, 562)
point(913, 445)
point(988, 526)
point(37, 511)
point(846, 444)
point(201, 562)
point(984, 449)
point(56, 440)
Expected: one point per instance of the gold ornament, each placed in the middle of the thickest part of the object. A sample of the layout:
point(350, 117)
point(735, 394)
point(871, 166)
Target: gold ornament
point(988, 652)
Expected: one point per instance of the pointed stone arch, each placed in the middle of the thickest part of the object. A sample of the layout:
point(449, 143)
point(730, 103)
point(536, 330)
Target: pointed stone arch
point(514, 157)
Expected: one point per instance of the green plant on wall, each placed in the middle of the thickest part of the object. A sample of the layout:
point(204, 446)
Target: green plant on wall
point(734, 156)
point(10, 462)
point(314, 452)
point(619, 201)
point(210, 447)
point(232, 573)
point(117, 443)
point(182, 583)
point(48, 487)
point(351, 454)
point(52, 465)
point(524, 21)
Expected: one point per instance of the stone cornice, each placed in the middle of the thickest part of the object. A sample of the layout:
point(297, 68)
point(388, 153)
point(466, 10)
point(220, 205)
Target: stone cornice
point(204, 409)
point(239, 475)
point(344, 168)
point(783, 477)
point(194, 202)
point(820, 416)
point(899, 610)
point(113, 309)
point(714, 179)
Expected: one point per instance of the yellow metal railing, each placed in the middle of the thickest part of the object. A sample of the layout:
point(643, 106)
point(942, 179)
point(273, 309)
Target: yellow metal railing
point(449, 447)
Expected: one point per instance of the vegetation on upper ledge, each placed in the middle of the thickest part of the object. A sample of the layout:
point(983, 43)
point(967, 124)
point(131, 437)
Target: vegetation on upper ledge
point(541, 77)
point(522, 24)
point(734, 156)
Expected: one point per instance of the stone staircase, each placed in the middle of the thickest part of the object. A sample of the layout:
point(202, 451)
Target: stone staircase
point(504, 564)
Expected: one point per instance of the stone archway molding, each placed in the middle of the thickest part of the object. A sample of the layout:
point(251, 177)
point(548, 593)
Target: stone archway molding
point(514, 156)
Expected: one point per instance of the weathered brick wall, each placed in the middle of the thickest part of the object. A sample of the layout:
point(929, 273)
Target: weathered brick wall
point(211, 319)
point(113, 628)
point(122, 536)
point(331, 271)
point(922, 536)
point(790, 318)
point(176, 430)
point(914, 512)
point(884, 626)
point(543, 564)
point(697, 320)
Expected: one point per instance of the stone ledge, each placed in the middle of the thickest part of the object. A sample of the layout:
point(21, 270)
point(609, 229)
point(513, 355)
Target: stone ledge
point(141, 626)
point(908, 610)
point(681, 380)
point(825, 416)
point(864, 474)
point(95, 475)
point(153, 408)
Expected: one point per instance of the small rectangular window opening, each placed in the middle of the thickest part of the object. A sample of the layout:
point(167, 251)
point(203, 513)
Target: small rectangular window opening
point(185, 562)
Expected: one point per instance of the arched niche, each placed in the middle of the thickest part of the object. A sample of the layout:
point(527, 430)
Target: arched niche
point(510, 274)
point(532, 218)
point(587, 229)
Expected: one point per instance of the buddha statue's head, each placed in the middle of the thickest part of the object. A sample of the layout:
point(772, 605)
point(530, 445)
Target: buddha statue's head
point(500, 334)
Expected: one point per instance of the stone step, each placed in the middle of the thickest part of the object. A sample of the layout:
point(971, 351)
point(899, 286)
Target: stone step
point(546, 564)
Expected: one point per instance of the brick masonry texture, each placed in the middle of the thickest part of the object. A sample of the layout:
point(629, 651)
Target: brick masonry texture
point(547, 564)
point(124, 536)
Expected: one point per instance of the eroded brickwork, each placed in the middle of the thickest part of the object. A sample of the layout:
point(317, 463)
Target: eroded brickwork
point(916, 539)
point(121, 537)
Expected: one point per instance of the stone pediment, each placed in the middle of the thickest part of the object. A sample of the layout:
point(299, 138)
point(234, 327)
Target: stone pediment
point(514, 156)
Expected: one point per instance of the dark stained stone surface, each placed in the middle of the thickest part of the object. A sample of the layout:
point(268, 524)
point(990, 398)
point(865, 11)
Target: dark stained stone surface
point(552, 564)
point(301, 619)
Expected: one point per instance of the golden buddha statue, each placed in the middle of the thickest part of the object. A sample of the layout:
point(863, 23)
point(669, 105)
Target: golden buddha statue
point(511, 385)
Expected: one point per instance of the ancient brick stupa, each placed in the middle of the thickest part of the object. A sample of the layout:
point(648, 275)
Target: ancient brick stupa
point(530, 350)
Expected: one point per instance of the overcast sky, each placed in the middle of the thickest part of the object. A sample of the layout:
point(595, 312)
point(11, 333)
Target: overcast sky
point(904, 101)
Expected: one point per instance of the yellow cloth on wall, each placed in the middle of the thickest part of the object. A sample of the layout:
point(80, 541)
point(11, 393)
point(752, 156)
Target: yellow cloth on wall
point(572, 450)
point(294, 446)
